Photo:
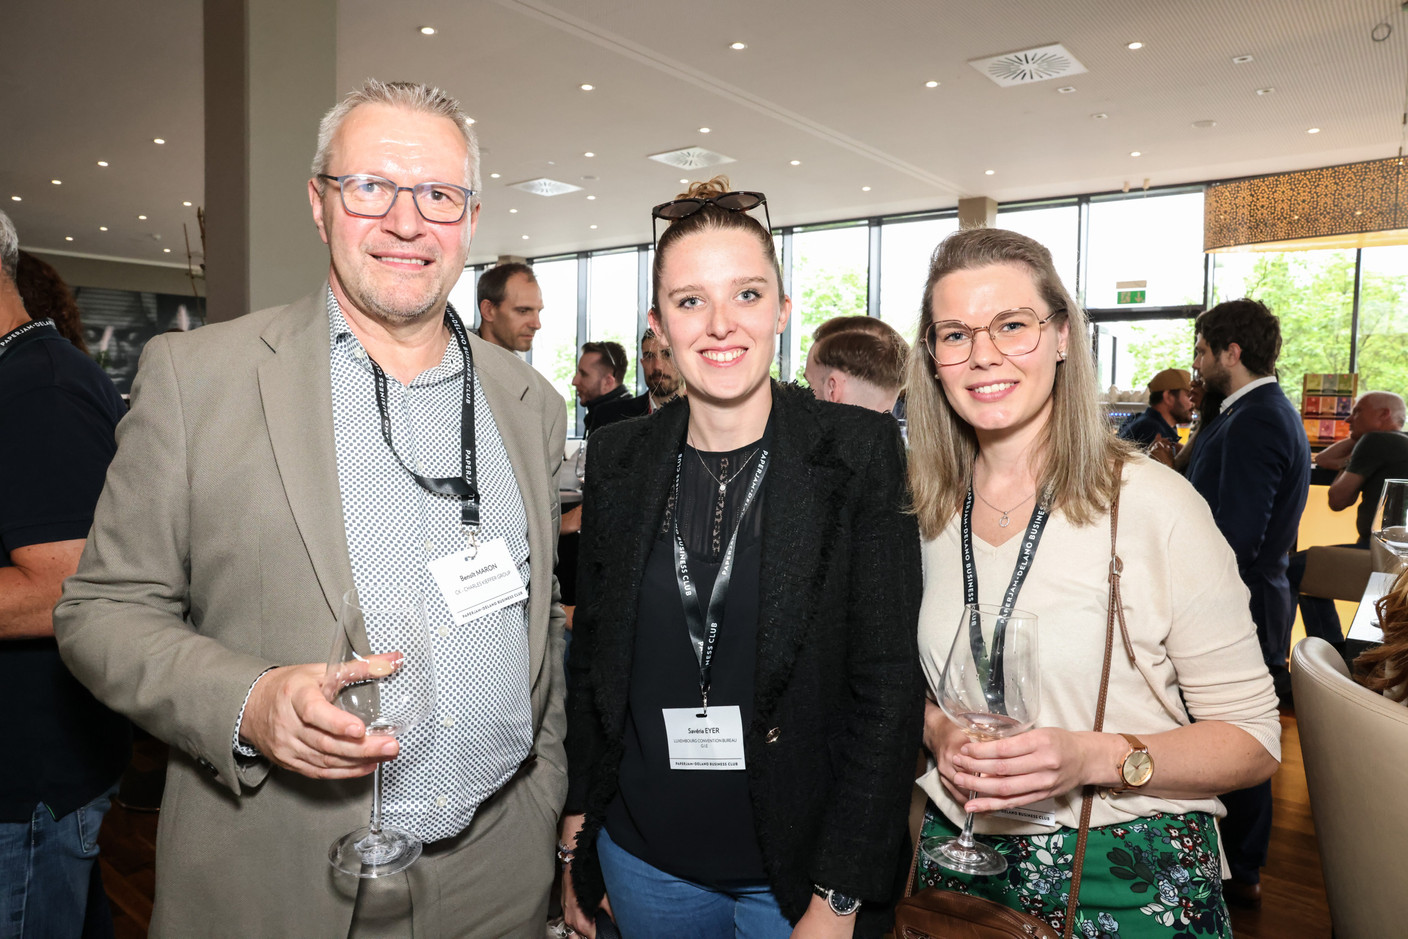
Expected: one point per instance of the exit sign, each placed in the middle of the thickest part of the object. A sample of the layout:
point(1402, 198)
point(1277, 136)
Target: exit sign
point(1130, 291)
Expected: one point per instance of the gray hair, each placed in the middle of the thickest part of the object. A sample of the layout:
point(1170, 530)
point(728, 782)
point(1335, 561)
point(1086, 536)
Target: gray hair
point(1389, 401)
point(9, 246)
point(412, 96)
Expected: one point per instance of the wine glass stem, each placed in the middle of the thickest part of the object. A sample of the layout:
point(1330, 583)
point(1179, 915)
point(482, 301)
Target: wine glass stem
point(966, 838)
point(376, 802)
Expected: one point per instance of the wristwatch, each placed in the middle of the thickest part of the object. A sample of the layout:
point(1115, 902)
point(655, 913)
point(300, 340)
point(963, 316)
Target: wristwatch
point(1136, 767)
point(840, 904)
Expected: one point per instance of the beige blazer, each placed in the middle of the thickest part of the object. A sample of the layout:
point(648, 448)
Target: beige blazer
point(217, 551)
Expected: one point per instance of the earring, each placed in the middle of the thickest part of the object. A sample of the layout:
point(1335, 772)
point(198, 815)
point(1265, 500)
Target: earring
point(1060, 355)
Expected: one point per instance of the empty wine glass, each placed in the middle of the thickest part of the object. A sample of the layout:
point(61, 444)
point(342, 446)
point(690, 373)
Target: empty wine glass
point(579, 464)
point(990, 688)
point(1391, 526)
point(391, 692)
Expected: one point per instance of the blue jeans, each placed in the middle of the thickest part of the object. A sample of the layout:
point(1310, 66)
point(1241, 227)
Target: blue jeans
point(649, 903)
point(45, 868)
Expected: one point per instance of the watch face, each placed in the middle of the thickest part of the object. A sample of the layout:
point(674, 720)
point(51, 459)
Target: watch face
point(842, 905)
point(1138, 767)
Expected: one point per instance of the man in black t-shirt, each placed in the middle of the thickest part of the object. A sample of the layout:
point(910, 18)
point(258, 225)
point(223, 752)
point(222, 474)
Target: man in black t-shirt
point(66, 751)
point(1376, 450)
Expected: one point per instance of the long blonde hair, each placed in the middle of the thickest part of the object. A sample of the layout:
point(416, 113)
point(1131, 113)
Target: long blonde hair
point(1387, 665)
point(1080, 461)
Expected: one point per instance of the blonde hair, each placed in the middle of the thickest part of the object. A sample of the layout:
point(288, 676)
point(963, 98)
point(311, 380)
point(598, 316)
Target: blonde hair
point(412, 96)
point(1387, 665)
point(1080, 460)
point(710, 218)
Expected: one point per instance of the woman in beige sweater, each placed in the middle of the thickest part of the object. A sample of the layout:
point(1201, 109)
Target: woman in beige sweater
point(1002, 404)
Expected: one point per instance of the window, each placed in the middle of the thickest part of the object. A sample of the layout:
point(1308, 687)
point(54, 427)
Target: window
point(1382, 343)
point(905, 249)
point(829, 278)
point(1057, 228)
point(1155, 239)
point(554, 352)
point(462, 295)
point(1131, 352)
point(612, 305)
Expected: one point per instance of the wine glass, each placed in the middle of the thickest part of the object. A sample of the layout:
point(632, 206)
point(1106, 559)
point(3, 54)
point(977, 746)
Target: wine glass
point(579, 464)
point(1391, 526)
point(990, 689)
point(391, 692)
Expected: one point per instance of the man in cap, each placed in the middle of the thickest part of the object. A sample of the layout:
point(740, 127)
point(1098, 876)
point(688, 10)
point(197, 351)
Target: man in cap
point(1169, 404)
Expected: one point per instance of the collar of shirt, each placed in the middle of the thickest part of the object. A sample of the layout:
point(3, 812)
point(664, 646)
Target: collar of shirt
point(346, 343)
point(1243, 391)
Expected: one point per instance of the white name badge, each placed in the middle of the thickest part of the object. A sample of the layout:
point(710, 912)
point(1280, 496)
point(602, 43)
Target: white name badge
point(476, 583)
point(1028, 813)
point(713, 742)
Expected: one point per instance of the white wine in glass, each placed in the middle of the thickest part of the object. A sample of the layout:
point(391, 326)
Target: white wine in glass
point(1390, 529)
point(390, 692)
point(990, 688)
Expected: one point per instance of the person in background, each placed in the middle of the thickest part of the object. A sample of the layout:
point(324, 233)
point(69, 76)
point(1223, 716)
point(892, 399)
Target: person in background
point(1012, 465)
point(66, 751)
point(263, 474)
point(1384, 668)
point(601, 369)
point(1205, 407)
point(47, 297)
point(510, 306)
point(780, 522)
point(662, 382)
point(1170, 404)
point(1252, 466)
point(1376, 450)
point(857, 360)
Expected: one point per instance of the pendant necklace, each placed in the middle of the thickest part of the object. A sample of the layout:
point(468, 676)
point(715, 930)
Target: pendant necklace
point(1004, 521)
point(723, 483)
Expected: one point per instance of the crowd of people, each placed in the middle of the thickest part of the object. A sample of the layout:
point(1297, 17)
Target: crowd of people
point(768, 580)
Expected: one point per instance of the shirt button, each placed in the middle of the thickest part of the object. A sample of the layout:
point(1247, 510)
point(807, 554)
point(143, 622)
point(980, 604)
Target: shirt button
point(429, 546)
point(773, 735)
point(444, 630)
point(441, 802)
point(447, 721)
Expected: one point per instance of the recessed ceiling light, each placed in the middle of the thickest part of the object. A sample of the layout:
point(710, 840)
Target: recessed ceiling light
point(1100, 116)
point(591, 198)
point(931, 84)
point(589, 154)
point(738, 46)
point(427, 30)
point(593, 228)
point(1135, 153)
point(1313, 130)
point(16, 199)
point(1134, 45)
point(525, 237)
point(796, 162)
point(102, 228)
point(469, 120)
point(187, 204)
point(68, 237)
point(864, 188)
point(989, 172)
point(57, 182)
point(684, 182)
point(512, 211)
point(704, 130)
point(165, 250)
point(1066, 89)
point(1266, 91)
point(493, 175)
point(141, 218)
point(158, 140)
point(1241, 59)
point(102, 162)
point(586, 87)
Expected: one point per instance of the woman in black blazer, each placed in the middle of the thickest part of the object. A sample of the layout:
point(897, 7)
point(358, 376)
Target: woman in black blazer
point(756, 784)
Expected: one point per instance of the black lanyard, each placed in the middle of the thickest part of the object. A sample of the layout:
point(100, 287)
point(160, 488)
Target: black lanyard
point(465, 485)
point(1030, 540)
point(29, 332)
point(695, 618)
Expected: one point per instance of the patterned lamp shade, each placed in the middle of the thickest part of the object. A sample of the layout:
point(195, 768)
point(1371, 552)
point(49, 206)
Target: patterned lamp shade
point(1356, 205)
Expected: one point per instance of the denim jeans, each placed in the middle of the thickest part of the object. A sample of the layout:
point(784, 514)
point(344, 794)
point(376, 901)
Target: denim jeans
point(46, 865)
point(648, 903)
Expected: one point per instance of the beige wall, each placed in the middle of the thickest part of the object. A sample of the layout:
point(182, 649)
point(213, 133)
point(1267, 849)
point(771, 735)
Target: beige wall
point(120, 275)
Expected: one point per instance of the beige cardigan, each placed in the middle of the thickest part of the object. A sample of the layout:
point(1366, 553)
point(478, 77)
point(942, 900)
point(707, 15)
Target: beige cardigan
point(1188, 617)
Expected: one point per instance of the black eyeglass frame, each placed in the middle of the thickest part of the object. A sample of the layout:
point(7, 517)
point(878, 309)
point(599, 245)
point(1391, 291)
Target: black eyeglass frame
point(415, 199)
point(973, 339)
point(694, 204)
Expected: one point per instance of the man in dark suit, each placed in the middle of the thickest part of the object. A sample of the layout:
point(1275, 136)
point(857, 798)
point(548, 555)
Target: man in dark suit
point(1252, 465)
point(662, 381)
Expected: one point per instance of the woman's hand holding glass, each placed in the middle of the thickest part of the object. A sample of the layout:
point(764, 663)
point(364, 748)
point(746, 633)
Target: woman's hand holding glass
point(1029, 767)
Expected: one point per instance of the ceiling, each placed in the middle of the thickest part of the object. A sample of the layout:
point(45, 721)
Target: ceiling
point(836, 85)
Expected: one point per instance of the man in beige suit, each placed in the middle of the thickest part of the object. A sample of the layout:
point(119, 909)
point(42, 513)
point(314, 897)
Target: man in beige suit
point(269, 466)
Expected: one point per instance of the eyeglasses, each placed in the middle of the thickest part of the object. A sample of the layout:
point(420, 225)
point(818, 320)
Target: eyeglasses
point(740, 201)
point(1013, 332)
point(373, 196)
point(665, 354)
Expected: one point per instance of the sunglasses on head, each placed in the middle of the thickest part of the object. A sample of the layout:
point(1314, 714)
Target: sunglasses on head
point(739, 201)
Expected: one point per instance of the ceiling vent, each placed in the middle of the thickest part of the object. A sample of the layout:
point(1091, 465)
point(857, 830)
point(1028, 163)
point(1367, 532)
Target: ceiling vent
point(542, 186)
point(691, 158)
point(1029, 66)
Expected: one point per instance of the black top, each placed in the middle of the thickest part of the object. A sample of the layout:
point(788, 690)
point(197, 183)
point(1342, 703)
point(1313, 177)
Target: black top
point(1376, 456)
point(57, 415)
point(658, 812)
point(597, 416)
point(1145, 428)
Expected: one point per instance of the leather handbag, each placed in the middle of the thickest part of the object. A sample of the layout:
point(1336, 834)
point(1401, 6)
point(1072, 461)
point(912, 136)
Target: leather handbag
point(947, 914)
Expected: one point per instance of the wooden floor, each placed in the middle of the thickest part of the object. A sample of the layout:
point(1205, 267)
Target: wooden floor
point(1293, 890)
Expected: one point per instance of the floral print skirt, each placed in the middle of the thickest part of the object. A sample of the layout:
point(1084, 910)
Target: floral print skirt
point(1152, 878)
